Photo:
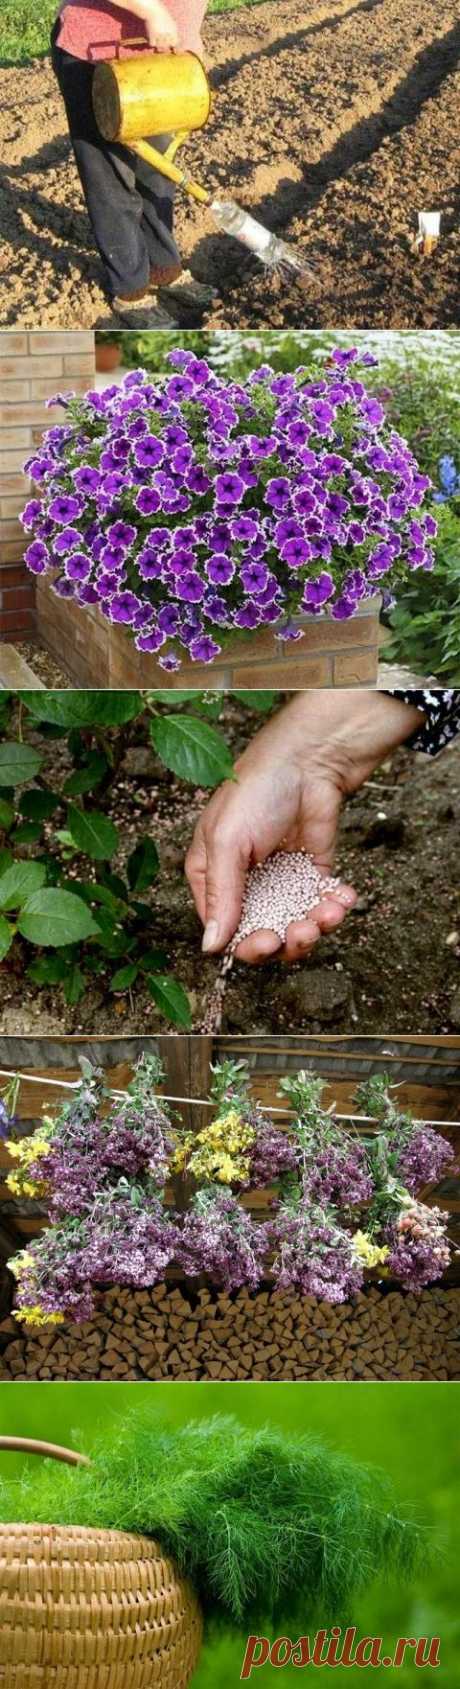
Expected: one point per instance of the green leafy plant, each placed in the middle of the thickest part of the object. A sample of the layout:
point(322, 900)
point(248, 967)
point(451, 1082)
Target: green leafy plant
point(83, 918)
point(266, 1524)
point(425, 623)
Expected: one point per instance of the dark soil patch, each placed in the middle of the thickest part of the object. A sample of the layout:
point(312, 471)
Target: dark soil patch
point(395, 965)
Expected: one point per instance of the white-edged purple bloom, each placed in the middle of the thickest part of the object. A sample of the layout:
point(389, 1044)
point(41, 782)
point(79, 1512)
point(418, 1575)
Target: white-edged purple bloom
point(37, 557)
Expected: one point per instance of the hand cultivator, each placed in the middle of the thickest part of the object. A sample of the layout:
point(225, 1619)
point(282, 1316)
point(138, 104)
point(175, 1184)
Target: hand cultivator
point(157, 94)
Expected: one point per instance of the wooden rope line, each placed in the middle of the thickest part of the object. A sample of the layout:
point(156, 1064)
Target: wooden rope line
point(204, 1102)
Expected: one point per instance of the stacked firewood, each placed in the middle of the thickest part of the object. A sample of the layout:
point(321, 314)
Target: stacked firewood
point(173, 1332)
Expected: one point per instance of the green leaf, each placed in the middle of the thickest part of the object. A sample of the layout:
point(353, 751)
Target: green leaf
point(170, 998)
point(142, 865)
point(174, 698)
point(28, 832)
point(92, 832)
point(83, 709)
point(6, 814)
point(125, 977)
point(18, 763)
point(95, 893)
point(5, 859)
point(192, 749)
point(261, 701)
point(48, 970)
point(86, 778)
point(74, 985)
point(19, 882)
point(38, 804)
point(6, 937)
point(153, 961)
point(54, 917)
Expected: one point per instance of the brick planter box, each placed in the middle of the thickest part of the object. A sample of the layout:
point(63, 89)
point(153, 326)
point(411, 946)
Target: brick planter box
point(94, 653)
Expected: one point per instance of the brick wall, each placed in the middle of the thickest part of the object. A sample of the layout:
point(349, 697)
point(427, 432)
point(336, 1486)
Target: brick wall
point(33, 366)
point(95, 654)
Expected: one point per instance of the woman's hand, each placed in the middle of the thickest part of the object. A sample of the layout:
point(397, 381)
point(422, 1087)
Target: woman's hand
point(291, 783)
point(162, 31)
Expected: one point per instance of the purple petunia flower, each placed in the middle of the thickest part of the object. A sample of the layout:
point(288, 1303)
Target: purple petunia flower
point(220, 569)
point(123, 606)
point(229, 489)
point(248, 616)
point(78, 566)
point(254, 577)
point(190, 587)
point(168, 619)
point(296, 553)
point(170, 662)
point(148, 501)
point(318, 592)
point(37, 557)
point(86, 479)
point(122, 533)
point(278, 492)
point(63, 508)
point(31, 513)
point(68, 540)
point(149, 452)
point(244, 528)
point(88, 594)
point(151, 641)
point(204, 649)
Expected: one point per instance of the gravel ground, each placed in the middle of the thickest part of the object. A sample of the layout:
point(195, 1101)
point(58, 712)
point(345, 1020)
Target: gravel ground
point(334, 122)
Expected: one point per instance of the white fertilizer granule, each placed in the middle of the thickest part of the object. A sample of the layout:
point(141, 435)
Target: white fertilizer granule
point(283, 889)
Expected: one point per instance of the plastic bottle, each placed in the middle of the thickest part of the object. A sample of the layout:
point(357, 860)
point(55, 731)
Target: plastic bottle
point(271, 251)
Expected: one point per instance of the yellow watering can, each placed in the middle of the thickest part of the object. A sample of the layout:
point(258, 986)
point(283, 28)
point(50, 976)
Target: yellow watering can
point(152, 94)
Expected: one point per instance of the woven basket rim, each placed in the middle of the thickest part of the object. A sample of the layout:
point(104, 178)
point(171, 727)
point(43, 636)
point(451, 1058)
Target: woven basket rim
point(94, 1533)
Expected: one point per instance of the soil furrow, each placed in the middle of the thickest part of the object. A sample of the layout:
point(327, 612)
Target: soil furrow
point(312, 103)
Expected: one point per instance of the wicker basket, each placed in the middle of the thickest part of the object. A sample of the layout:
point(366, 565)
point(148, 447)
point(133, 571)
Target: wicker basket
point(88, 1609)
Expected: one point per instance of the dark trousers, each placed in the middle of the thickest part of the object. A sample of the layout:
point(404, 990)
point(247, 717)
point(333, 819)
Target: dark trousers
point(130, 205)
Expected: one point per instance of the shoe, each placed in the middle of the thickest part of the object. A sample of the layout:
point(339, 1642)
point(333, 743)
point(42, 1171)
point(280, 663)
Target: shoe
point(142, 316)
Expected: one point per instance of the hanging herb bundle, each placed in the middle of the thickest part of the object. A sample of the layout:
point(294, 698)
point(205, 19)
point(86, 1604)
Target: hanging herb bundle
point(268, 1526)
point(339, 1205)
point(102, 1175)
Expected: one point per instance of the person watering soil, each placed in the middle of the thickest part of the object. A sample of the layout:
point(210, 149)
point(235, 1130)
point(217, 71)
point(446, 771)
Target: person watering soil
point(130, 204)
point(292, 780)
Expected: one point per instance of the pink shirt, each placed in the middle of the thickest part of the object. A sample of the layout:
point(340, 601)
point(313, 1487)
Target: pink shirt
point(93, 29)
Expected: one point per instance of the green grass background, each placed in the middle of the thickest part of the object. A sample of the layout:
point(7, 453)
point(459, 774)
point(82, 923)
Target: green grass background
point(410, 1430)
point(25, 28)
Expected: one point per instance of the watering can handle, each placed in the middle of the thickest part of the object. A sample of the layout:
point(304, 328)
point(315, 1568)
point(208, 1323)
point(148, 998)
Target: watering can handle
point(52, 1451)
point(138, 41)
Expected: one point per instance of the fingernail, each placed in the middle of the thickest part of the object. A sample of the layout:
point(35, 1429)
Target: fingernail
point(345, 896)
point(210, 936)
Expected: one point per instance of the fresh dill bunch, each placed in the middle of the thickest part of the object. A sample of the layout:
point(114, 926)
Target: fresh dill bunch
point(268, 1526)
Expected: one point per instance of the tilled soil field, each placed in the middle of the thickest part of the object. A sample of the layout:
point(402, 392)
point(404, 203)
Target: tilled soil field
point(335, 122)
point(395, 963)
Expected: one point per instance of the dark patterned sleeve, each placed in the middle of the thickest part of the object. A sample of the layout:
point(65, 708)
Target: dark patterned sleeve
point(442, 711)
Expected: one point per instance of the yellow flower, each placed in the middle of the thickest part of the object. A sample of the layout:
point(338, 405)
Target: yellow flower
point(29, 1149)
point(20, 1263)
point(367, 1251)
point(36, 1316)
